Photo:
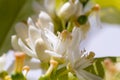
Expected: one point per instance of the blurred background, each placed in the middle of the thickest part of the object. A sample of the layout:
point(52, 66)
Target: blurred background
point(105, 43)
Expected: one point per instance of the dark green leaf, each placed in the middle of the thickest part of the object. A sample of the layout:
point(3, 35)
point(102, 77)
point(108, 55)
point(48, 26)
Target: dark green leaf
point(11, 11)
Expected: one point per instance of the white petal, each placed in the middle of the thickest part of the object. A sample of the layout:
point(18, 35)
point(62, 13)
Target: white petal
point(87, 76)
point(25, 49)
point(95, 20)
point(21, 30)
point(36, 6)
point(50, 5)
point(73, 55)
point(34, 34)
point(79, 8)
point(62, 46)
point(2, 62)
point(67, 10)
point(30, 22)
point(51, 37)
point(40, 48)
point(82, 63)
point(76, 37)
point(44, 19)
point(52, 53)
point(51, 27)
point(14, 42)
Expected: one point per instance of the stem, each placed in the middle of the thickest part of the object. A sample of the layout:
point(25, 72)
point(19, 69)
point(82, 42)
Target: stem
point(63, 24)
point(53, 65)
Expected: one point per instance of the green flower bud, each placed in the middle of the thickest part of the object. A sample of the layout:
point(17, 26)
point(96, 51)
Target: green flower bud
point(82, 19)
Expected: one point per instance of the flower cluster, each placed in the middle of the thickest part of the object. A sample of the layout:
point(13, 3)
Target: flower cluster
point(55, 38)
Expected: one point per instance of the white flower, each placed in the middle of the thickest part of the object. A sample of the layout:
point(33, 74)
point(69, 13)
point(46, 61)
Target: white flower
point(39, 41)
point(78, 59)
point(2, 62)
point(59, 43)
point(31, 39)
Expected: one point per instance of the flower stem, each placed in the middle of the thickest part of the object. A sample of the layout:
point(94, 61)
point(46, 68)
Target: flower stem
point(53, 65)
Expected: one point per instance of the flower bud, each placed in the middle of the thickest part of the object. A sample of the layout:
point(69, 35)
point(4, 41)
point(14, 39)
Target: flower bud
point(82, 19)
point(67, 10)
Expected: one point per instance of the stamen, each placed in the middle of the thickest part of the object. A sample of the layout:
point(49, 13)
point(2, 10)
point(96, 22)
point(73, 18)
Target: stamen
point(65, 34)
point(53, 62)
point(96, 7)
point(25, 70)
point(91, 55)
point(19, 61)
point(53, 65)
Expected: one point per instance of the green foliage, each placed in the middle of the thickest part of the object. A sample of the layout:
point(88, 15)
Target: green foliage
point(18, 76)
point(97, 67)
point(12, 11)
point(3, 74)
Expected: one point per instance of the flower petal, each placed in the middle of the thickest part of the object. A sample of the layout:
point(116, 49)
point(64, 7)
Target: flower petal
point(26, 49)
point(67, 10)
point(2, 62)
point(51, 37)
point(33, 34)
point(87, 76)
point(52, 53)
point(30, 22)
point(76, 37)
point(14, 42)
point(40, 48)
point(50, 5)
point(21, 30)
point(44, 19)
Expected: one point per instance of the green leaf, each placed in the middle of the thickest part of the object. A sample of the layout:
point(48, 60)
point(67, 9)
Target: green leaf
point(12, 11)
point(18, 76)
point(97, 67)
point(110, 10)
